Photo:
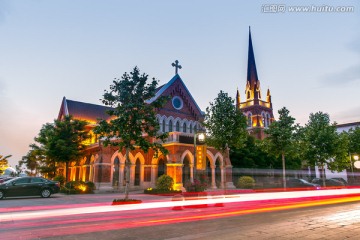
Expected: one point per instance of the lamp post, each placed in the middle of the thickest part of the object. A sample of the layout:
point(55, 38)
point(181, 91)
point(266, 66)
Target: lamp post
point(201, 137)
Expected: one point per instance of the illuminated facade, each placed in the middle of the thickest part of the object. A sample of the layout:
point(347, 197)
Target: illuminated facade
point(259, 113)
point(180, 116)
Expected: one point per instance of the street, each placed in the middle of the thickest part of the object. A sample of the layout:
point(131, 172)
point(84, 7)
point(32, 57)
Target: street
point(326, 214)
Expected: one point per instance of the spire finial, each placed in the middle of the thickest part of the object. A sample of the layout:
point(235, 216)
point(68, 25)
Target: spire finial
point(177, 66)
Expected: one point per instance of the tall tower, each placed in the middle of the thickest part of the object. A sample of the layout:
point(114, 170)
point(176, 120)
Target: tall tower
point(259, 113)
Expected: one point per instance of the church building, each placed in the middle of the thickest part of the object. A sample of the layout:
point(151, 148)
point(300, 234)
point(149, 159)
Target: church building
point(181, 117)
point(258, 112)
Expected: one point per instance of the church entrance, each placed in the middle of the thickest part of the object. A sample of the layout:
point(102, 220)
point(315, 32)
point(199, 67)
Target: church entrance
point(161, 168)
point(186, 171)
point(116, 173)
point(218, 173)
point(137, 173)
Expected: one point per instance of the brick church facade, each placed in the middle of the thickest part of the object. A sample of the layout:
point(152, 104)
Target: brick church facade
point(180, 117)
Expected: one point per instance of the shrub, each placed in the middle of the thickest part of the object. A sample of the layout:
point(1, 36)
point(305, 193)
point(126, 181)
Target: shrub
point(199, 185)
point(164, 182)
point(61, 179)
point(75, 187)
point(246, 182)
point(161, 191)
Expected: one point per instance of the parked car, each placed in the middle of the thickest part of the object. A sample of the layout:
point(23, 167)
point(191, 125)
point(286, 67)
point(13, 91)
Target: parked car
point(341, 180)
point(301, 183)
point(29, 186)
point(328, 182)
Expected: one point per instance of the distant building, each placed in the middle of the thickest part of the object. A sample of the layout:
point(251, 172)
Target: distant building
point(259, 113)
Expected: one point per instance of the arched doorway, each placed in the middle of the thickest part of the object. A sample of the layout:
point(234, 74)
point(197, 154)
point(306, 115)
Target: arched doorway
point(137, 173)
point(218, 173)
point(161, 167)
point(186, 170)
point(208, 169)
point(116, 173)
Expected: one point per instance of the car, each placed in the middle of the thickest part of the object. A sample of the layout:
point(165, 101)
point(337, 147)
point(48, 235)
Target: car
point(28, 186)
point(341, 180)
point(301, 183)
point(4, 179)
point(328, 182)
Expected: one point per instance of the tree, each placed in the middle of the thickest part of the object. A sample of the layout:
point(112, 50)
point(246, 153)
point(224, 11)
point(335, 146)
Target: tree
point(281, 138)
point(33, 160)
point(225, 124)
point(322, 145)
point(62, 141)
point(4, 163)
point(133, 122)
point(354, 138)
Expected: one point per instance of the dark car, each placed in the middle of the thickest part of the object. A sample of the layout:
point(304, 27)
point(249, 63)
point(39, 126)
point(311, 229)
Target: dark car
point(341, 180)
point(4, 179)
point(328, 182)
point(29, 186)
point(301, 183)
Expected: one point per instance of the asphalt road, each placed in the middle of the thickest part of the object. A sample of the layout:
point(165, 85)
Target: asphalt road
point(92, 217)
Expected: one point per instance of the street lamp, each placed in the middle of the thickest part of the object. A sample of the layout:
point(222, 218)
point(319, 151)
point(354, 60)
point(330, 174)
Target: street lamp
point(200, 136)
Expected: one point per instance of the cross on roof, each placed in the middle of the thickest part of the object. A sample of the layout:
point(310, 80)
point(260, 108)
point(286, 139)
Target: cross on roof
point(176, 65)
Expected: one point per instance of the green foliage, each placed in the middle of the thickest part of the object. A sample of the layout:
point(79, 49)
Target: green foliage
point(78, 187)
point(252, 155)
point(354, 138)
point(246, 182)
point(281, 135)
point(60, 142)
point(225, 124)
point(164, 182)
point(133, 115)
point(60, 178)
point(200, 184)
point(323, 145)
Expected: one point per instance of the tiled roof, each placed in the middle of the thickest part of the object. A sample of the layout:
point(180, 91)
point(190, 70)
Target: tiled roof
point(87, 111)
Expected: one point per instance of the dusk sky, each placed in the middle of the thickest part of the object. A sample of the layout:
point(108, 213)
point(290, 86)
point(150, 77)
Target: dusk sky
point(51, 49)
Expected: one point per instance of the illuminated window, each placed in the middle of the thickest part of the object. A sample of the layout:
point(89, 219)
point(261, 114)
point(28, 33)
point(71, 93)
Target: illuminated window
point(249, 119)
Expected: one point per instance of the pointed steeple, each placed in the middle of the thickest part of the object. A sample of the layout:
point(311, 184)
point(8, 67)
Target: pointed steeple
point(237, 99)
point(252, 76)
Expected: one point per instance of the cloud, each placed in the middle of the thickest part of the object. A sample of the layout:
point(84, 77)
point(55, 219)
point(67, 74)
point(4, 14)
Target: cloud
point(348, 75)
point(348, 116)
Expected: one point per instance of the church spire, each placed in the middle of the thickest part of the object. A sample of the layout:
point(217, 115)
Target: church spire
point(237, 99)
point(252, 76)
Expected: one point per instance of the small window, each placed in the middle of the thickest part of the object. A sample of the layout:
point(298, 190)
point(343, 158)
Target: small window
point(163, 126)
point(170, 126)
point(177, 126)
point(190, 128)
point(177, 102)
point(184, 127)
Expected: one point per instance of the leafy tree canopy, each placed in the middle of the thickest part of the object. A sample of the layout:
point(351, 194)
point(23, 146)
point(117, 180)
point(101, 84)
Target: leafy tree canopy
point(224, 123)
point(133, 120)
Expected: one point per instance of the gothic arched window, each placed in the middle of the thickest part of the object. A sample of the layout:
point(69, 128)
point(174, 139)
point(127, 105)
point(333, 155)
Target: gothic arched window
point(177, 126)
point(170, 126)
point(184, 127)
point(190, 128)
point(163, 126)
point(249, 119)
